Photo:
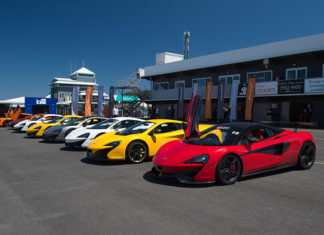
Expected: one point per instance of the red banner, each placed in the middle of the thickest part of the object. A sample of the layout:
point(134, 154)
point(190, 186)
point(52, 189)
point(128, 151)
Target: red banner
point(249, 99)
point(88, 101)
point(209, 88)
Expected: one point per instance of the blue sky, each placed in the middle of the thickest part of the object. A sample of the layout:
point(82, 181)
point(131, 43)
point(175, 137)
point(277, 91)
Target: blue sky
point(40, 38)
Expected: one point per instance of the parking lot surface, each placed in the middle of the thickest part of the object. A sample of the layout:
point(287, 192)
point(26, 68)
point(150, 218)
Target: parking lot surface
point(46, 189)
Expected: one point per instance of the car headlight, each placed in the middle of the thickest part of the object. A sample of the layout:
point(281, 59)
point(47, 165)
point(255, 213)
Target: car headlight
point(85, 135)
point(37, 128)
point(113, 144)
point(199, 159)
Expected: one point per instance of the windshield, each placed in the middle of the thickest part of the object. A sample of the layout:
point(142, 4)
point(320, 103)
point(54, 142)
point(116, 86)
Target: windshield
point(137, 129)
point(217, 135)
point(75, 122)
point(54, 120)
point(37, 118)
point(104, 124)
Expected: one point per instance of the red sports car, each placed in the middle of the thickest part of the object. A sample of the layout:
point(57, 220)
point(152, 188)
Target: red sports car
point(228, 151)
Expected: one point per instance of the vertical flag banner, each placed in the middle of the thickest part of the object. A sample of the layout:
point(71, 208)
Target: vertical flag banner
point(111, 100)
point(220, 100)
point(75, 100)
point(180, 109)
point(88, 101)
point(209, 89)
point(100, 100)
point(233, 99)
point(249, 99)
point(194, 89)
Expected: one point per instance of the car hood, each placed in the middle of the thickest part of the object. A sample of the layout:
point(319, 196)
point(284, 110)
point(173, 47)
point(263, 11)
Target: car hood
point(176, 152)
point(106, 138)
point(52, 129)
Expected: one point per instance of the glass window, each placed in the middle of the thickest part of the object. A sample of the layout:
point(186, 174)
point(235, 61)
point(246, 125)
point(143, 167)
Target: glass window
point(261, 76)
point(161, 86)
point(228, 79)
point(201, 81)
point(104, 125)
point(177, 83)
point(296, 73)
point(167, 127)
point(138, 128)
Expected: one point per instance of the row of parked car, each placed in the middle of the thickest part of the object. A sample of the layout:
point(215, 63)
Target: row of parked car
point(189, 152)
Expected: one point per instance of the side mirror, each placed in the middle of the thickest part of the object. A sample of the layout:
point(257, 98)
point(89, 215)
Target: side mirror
point(151, 133)
point(84, 124)
point(250, 140)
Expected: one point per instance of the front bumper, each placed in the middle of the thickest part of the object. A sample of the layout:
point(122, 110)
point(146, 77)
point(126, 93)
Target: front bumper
point(76, 144)
point(99, 155)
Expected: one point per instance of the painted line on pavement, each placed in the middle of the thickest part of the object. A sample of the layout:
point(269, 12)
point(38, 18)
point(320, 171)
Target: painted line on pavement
point(318, 138)
point(319, 162)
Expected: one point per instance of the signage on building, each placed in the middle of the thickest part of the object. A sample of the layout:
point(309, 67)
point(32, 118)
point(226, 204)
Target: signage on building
point(242, 89)
point(291, 86)
point(315, 85)
point(40, 101)
point(266, 88)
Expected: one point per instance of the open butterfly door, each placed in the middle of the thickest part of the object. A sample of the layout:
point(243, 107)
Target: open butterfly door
point(192, 129)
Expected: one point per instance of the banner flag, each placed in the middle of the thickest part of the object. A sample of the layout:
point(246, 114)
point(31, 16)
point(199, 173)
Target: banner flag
point(209, 89)
point(111, 100)
point(249, 99)
point(75, 99)
point(88, 101)
point(100, 100)
point(16, 113)
point(220, 100)
point(194, 89)
point(180, 109)
point(233, 99)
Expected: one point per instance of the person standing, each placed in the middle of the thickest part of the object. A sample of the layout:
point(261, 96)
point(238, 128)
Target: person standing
point(115, 111)
point(268, 113)
point(227, 113)
point(309, 113)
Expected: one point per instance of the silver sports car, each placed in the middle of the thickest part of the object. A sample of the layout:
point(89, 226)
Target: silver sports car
point(58, 133)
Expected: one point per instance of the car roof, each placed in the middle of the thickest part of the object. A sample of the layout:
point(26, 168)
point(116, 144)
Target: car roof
point(159, 121)
point(127, 118)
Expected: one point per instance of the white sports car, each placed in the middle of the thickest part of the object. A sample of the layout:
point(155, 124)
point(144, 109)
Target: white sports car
point(24, 125)
point(81, 137)
point(59, 132)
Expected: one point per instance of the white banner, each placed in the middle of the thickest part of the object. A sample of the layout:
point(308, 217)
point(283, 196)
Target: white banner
point(315, 85)
point(266, 88)
point(233, 100)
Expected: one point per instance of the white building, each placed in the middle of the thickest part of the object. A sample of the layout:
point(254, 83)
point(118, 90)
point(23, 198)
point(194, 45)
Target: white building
point(61, 89)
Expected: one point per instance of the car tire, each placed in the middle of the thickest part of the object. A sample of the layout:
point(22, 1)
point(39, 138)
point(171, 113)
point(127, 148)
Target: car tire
point(6, 123)
point(136, 152)
point(228, 169)
point(306, 156)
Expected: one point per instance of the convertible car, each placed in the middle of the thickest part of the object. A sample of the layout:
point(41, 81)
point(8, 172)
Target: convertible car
point(138, 142)
point(81, 137)
point(226, 152)
point(38, 129)
point(58, 133)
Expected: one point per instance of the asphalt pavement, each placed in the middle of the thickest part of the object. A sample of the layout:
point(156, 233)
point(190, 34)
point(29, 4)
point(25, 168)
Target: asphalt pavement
point(46, 189)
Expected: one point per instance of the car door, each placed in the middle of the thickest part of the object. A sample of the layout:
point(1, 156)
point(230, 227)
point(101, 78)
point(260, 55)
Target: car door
point(162, 134)
point(263, 154)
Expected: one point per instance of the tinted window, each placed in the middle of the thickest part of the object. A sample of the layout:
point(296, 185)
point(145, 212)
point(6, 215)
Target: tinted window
point(167, 127)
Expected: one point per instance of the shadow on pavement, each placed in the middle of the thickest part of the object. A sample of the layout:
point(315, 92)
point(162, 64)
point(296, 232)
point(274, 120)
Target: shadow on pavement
point(103, 163)
point(174, 182)
point(48, 142)
point(72, 149)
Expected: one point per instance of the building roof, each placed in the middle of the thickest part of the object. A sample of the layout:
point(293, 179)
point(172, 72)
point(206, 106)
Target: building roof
point(269, 50)
point(18, 100)
point(69, 81)
point(83, 70)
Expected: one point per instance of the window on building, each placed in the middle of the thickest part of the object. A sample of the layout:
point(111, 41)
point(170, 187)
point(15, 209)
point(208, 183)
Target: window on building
point(177, 83)
point(261, 76)
point(161, 86)
point(296, 73)
point(229, 78)
point(201, 81)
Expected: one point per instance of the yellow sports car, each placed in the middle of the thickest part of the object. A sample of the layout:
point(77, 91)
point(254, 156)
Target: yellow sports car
point(138, 142)
point(39, 128)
